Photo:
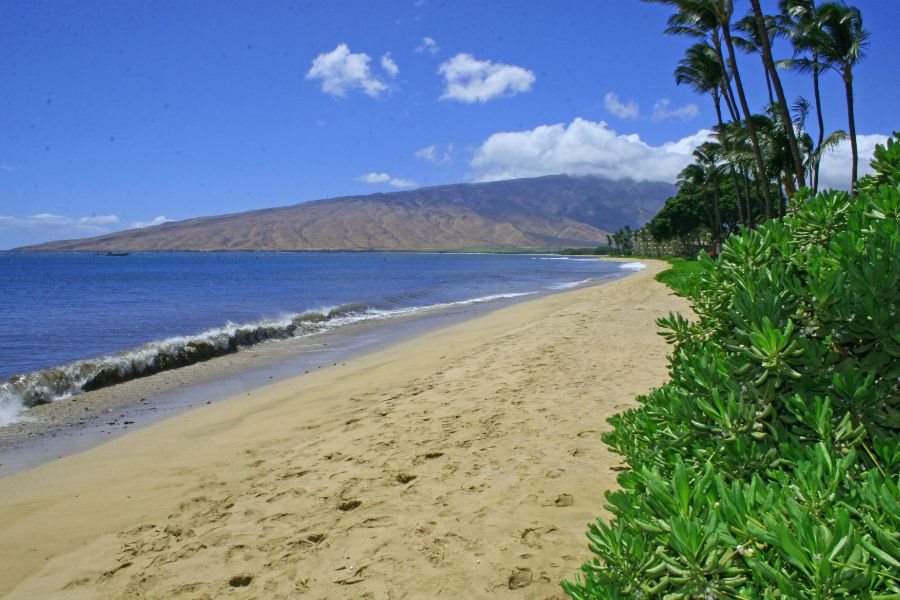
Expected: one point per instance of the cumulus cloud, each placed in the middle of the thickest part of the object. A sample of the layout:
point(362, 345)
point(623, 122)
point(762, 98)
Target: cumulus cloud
point(469, 80)
point(834, 171)
point(661, 111)
point(157, 221)
point(623, 110)
point(434, 155)
point(389, 66)
point(581, 148)
point(46, 227)
point(340, 71)
point(427, 45)
point(99, 220)
point(383, 178)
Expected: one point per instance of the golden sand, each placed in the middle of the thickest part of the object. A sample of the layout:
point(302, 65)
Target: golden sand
point(465, 463)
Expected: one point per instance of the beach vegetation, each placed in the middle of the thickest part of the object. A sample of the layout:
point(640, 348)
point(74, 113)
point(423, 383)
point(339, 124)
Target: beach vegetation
point(682, 276)
point(756, 161)
point(768, 466)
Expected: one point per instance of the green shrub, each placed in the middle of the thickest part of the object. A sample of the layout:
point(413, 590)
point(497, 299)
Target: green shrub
point(769, 465)
point(681, 276)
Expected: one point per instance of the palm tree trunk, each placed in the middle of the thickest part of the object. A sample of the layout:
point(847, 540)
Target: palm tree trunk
point(854, 152)
point(729, 103)
point(737, 194)
point(717, 216)
point(757, 152)
point(769, 63)
point(818, 97)
point(767, 198)
point(748, 209)
point(727, 92)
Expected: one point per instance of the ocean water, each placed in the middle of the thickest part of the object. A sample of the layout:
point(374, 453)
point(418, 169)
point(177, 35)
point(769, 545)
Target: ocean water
point(76, 322)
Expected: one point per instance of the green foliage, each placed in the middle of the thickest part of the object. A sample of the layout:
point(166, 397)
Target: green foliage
point(622, 241)
point(682, 277)
point(769, 465)
point(886, 164)
point(690, 213)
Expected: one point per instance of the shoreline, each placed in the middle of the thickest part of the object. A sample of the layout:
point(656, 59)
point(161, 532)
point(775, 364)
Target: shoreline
point(464, 460)
point(77, 423)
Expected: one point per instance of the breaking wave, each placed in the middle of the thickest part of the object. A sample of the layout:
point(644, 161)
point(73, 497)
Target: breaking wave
point(633, 266)
point(568, 285)
point(47, 385)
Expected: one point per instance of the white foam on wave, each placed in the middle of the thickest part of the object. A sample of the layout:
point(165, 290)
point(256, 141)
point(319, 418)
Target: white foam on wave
point(57, 383)
point(9, 409)
point(569, 284)
point(413, 310)
point(564, 258)
point(633, 266)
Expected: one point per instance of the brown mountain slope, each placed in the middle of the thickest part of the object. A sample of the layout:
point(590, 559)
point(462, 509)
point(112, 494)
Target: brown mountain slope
point(544, 212)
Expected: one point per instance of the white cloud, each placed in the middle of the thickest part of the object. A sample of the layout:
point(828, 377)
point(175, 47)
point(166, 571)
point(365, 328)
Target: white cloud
point(99, 220)
point(157, 221)
point(470, 80)
point(380, 178)
point(46, 227)
point(661, 111)
point(340, 71)
point(428, 45)
point(834, 171)
point(6, 167)
point(581, 148)
point(435, 155)
point(389, 66)
point(623, 110)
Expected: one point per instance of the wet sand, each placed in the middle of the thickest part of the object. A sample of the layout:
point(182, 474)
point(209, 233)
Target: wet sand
point(463, 462)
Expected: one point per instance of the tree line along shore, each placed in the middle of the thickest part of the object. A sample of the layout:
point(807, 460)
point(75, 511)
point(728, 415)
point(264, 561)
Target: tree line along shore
point(768, 466)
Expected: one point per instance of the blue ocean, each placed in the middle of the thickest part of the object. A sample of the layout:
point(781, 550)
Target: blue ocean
point(77, 322)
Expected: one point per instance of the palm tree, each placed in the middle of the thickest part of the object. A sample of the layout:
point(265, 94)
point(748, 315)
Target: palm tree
point(702, 69)
point(798, 22)
point(765, 47)
point(707, 156)
point(712, 18)
point(698, 177)
point(750, 43)
point(813, 152)
point(738, 151)
point(842, 46)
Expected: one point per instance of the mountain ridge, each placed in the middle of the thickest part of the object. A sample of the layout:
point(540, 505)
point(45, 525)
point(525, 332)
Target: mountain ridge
point(543, 212)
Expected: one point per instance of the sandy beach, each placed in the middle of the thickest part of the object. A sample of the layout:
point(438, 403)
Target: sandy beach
point(464, 463)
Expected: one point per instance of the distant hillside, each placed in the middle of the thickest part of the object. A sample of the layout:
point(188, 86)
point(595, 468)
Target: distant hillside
point(543, 212)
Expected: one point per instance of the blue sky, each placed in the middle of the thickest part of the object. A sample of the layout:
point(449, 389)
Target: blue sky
point(124, 113)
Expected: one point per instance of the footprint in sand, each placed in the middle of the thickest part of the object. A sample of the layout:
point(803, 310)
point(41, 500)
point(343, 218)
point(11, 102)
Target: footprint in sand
point(405, 477)
point(349, 505)
point(242, 580)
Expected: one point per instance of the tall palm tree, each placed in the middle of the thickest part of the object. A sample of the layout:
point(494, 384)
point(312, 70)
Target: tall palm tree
point(702, 69)
point(701, 178)
point(843, 42)
point(713, 17)
point(737, 150)
point(813, 153)
point(749, 42)
point(769, 62)
point(707, 155)
point(799, 23)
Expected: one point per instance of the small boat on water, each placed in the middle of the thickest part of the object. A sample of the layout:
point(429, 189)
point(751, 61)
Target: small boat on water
point(118, 253)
